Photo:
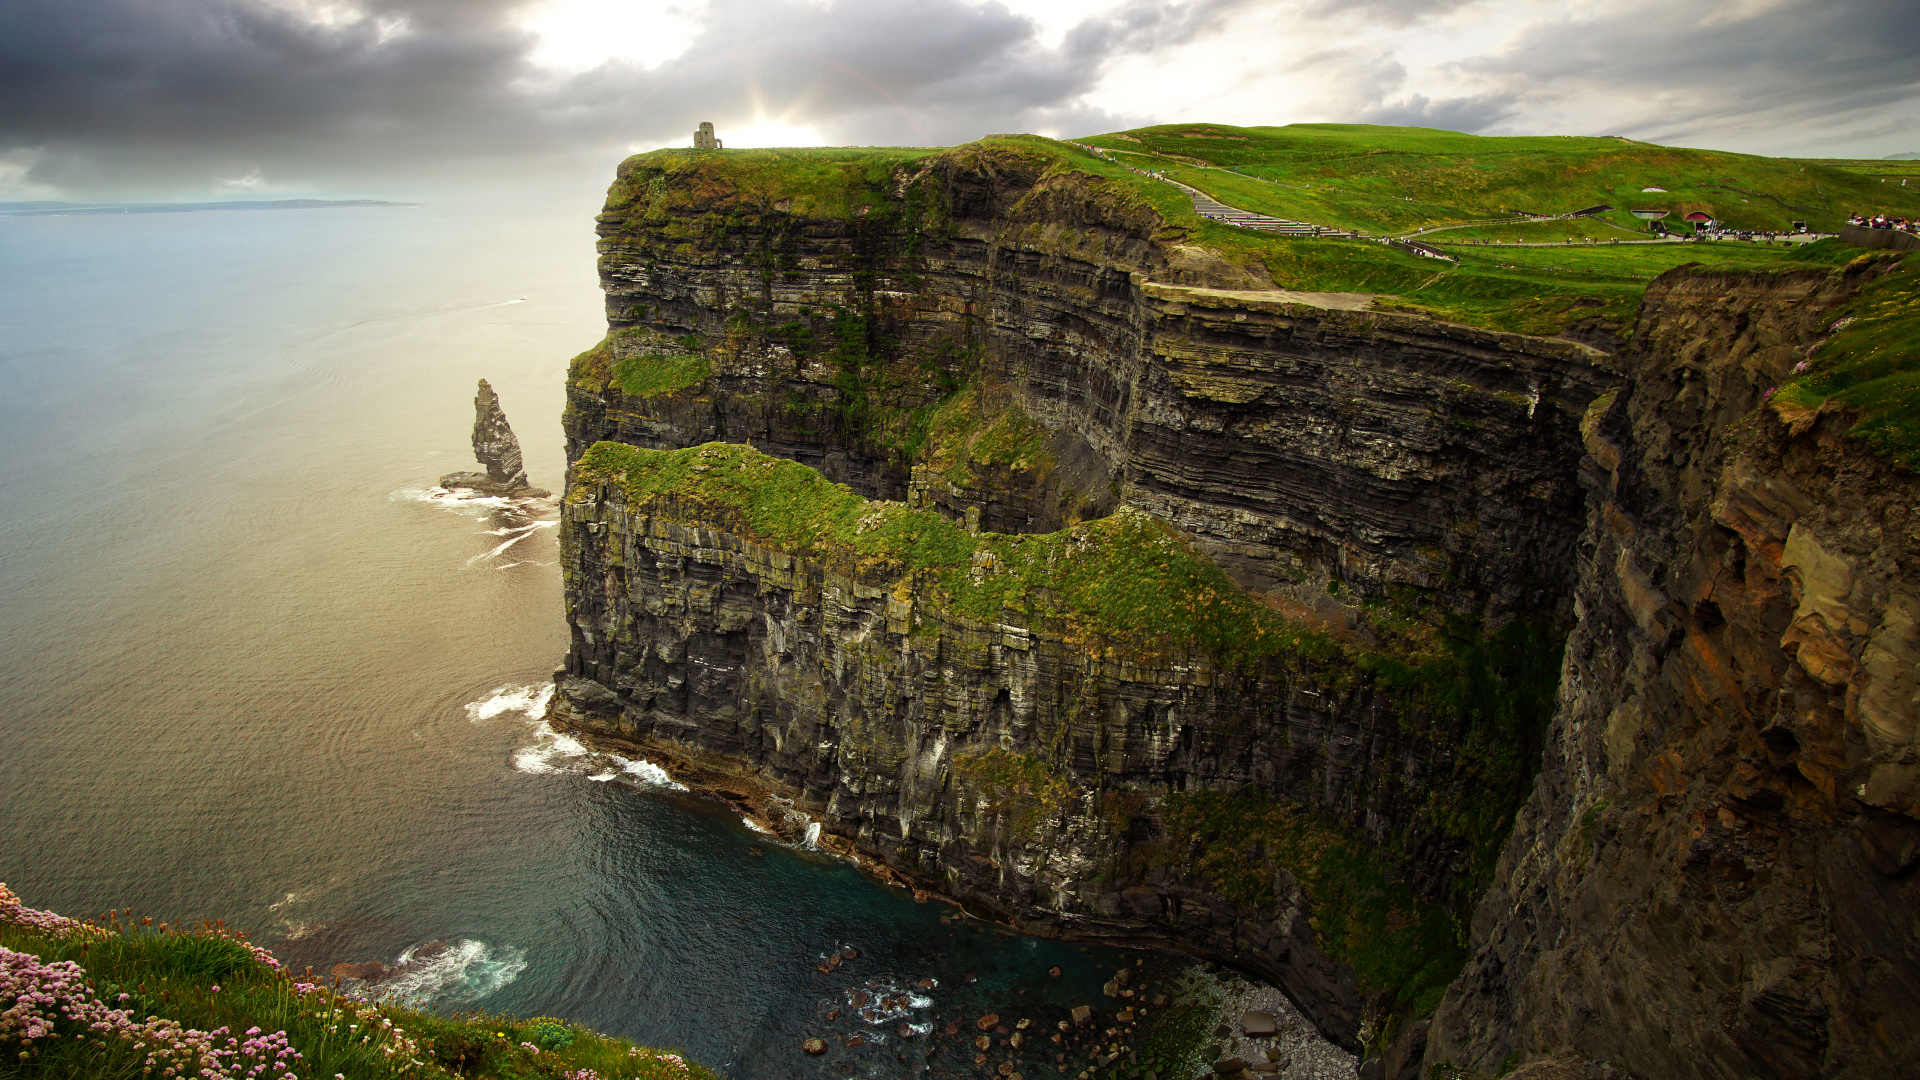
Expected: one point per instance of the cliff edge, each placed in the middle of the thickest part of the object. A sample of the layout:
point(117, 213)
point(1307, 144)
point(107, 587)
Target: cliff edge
point(1068, 567)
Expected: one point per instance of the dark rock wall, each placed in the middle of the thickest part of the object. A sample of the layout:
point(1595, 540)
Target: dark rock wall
point(1295, 439)
point(856, 698)
point(1715, 874)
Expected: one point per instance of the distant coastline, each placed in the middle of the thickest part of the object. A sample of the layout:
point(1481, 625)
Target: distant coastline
point(44, 209)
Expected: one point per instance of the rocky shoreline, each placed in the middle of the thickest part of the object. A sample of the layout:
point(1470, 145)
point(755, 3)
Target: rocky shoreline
point(1250, 1029)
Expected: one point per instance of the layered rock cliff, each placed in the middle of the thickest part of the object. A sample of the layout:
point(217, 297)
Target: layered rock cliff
point(1161, 602)
point(1020, 350)
point(1714, 875)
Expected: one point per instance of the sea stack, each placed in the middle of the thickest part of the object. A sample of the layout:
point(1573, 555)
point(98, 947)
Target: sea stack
point(496, 447)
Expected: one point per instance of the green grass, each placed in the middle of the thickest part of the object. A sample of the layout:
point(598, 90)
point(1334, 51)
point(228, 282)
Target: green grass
point(1127, 585)
point(1354, 176)
point(206, 977)
point(833, 182)
point(981, 428)
point(1363, 176)
point(1871, 366)
point(651, 374)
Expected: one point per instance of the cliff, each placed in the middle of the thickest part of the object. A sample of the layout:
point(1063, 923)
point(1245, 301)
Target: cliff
point(1068, 567)
point(1018, 349)
point(1713, 876)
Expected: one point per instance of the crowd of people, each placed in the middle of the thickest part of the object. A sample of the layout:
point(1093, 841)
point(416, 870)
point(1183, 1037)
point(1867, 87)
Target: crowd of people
point(1882, 221)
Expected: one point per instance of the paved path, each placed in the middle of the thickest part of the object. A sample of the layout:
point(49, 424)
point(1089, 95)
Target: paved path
point(1209, 207)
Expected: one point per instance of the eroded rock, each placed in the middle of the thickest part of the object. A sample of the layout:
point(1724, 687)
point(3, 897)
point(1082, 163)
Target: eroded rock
point(496, 447)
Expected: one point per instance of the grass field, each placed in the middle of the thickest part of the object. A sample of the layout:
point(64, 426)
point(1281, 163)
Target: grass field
point(1344, 175)
point(1379, 179)
point(1870, 368)
point(1535, 290)
point(1397, 179)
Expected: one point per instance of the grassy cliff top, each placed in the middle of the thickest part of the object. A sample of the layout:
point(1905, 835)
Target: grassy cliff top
point(1537, 290)
point(1397, 179)
point(1127, 584)
point(1870, 367)
point(810, 181)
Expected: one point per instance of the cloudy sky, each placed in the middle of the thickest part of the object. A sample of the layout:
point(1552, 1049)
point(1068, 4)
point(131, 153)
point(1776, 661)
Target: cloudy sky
point(199, 98)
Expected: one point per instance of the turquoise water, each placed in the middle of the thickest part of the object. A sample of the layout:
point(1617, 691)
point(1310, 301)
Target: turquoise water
point(249, 669)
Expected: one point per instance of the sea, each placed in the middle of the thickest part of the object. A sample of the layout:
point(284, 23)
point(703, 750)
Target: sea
point(256, 666)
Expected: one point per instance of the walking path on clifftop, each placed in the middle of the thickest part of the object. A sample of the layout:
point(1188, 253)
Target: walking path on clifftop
point(1209, 207)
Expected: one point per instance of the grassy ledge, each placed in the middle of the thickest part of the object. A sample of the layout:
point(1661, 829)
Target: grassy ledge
point(1126, 585)
point(1869, 367)
point(115, 997)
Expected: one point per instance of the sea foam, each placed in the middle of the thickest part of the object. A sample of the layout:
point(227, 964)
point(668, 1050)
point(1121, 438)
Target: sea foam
point(464, 971)
point(530, 701)
point(551, 752)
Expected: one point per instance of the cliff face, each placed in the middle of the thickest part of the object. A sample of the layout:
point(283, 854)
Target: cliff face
point(1714, 875)
point(1019, 351)
point(1297, 439)
point(1368, 533)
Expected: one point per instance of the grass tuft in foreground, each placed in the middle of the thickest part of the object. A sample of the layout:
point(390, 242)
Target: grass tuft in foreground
point(117, 997)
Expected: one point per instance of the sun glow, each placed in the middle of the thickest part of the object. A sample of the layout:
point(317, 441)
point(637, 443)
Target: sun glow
point(767, 133)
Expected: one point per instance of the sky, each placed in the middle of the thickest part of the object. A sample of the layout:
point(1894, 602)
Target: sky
point(180, 99)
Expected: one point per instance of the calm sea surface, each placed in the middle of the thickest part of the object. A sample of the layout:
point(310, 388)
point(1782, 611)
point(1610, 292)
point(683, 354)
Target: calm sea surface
point(250, 670)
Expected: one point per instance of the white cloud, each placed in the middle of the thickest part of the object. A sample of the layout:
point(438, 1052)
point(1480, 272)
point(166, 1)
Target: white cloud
point(576, 35)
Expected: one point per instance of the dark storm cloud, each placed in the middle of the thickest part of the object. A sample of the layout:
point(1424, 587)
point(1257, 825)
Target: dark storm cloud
point(124, 96)
point(146, 94)
point(1687, 71)
point(125, 93)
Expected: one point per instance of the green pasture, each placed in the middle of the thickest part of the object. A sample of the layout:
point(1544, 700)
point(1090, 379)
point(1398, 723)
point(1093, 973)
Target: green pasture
point(1395, 179)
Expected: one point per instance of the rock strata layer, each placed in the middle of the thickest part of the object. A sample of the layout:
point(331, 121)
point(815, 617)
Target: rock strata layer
point(1715, 875)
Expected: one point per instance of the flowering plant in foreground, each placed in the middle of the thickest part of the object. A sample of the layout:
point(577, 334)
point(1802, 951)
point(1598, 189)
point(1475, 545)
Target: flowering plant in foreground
point(118, 998)
point(49, 1000)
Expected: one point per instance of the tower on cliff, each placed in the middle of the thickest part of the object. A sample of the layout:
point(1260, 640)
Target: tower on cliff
point(703, 137)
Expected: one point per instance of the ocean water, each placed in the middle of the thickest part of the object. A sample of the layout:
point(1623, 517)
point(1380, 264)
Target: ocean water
point(253, 667)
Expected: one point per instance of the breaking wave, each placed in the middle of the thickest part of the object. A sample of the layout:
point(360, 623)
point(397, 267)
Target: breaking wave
point(438, 973)
point(514, 518)
point(887, 1000)
point(530, 701)
point(551, 752)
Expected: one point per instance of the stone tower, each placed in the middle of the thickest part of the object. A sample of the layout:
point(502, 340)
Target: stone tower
point(703, 137)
